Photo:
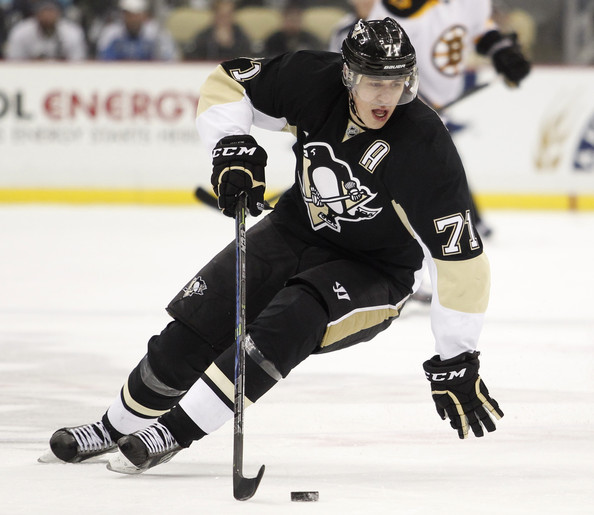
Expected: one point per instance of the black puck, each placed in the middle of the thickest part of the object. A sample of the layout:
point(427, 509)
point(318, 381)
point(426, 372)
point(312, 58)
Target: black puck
point(305, 496)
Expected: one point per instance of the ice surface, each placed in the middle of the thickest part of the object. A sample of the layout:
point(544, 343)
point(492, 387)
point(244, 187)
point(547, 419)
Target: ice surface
point(83, 288)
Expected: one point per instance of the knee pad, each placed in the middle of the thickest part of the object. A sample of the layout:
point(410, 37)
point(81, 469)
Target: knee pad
point(178, 356)
point(279, 332)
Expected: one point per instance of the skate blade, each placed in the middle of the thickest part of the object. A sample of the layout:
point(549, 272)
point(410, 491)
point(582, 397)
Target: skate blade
point(122, 465)
point(49, 457)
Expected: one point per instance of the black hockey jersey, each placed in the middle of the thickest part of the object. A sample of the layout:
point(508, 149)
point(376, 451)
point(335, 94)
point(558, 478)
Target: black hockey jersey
point(386, 196)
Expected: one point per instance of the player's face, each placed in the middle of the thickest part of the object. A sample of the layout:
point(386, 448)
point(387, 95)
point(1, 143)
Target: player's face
point(376, 99)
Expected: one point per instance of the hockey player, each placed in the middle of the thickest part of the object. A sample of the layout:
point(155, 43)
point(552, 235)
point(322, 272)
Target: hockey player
point(378, 184)
point(444, 33)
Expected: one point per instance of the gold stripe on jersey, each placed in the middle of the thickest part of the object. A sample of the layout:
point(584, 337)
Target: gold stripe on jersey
point(219, 89)
point(137, 407)
point(223, 383)
point(403, 218)
point(461, 285)
point(358, 320)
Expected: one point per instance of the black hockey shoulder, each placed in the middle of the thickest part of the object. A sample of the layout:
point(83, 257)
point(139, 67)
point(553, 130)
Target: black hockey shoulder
point(424, 130)
point(425, 175)
point(407, 8)
point(286, 85)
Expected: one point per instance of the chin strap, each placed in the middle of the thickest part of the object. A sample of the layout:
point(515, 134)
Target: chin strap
point(354, 113)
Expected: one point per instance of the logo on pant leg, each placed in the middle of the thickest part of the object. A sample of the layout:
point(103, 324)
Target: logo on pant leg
point(196, 287)
point(340, 291)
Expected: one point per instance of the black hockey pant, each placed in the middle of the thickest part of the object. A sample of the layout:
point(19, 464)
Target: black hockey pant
point(300, 300)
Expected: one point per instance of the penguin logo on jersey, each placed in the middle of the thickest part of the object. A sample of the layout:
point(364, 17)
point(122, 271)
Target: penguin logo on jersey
point(330, 191)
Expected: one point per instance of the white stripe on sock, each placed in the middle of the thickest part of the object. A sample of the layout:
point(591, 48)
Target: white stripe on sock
point(204, 407)
point(124, 421)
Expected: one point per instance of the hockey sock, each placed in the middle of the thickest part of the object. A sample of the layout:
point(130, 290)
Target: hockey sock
point(142, 399)
point(113, 432)
point(182, 427)
point(209, 403)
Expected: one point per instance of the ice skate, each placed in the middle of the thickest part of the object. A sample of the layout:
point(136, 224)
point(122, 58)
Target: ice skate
point(143, 450)
point(76, 444)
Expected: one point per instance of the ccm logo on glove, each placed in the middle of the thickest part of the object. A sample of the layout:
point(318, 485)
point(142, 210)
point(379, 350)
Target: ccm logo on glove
point(234, 151)
point(445, 376)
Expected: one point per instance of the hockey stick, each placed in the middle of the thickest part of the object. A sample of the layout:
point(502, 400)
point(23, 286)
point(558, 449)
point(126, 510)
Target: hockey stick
point(468, 93)
point(206, 198)
point(243, 487)
point(209, 200)
point(349, 185)
point(328, 200)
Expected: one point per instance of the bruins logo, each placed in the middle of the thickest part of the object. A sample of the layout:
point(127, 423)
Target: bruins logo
point(330, 191)
point(448, 52)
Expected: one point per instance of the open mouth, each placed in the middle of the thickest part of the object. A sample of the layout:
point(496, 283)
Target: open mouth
point(379, 114)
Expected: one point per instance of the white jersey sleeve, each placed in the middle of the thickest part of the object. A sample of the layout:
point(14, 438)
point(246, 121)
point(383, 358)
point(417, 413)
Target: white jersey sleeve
point(224, 109)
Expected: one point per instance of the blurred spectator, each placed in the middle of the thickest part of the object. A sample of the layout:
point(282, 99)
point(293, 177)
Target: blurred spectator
point(275, 4)
point(360, 9)
point(281, 4)
point(94, 16)
point(292, 36)
point(135, 37)
point(46, 35)
point(223, 39)
point(21, 9)
point(4, 8)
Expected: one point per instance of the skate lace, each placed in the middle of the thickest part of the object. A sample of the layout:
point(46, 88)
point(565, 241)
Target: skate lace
point(92, 437)
point(157, 438)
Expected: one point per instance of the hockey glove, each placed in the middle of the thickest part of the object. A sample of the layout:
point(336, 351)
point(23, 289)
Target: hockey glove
point(506, 54)
point(238, 167)
point(460, 394)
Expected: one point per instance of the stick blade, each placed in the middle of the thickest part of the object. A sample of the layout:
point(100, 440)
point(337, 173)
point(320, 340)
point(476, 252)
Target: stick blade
point(206, 198)
point(244, 488)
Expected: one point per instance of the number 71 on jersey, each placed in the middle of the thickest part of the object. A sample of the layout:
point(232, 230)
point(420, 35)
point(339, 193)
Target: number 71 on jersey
point(455, 224)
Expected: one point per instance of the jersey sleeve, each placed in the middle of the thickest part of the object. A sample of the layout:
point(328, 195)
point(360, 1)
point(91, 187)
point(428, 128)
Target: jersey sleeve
point(225, 107)
point(267, 93)
point(440, 218)
point(481, 20)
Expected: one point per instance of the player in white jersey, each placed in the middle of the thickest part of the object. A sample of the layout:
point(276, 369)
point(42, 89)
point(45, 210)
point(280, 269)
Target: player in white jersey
point(444, 33)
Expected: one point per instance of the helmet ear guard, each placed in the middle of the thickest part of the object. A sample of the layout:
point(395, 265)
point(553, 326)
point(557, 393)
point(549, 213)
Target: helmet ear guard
point(348, 76)
point(380, 49)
